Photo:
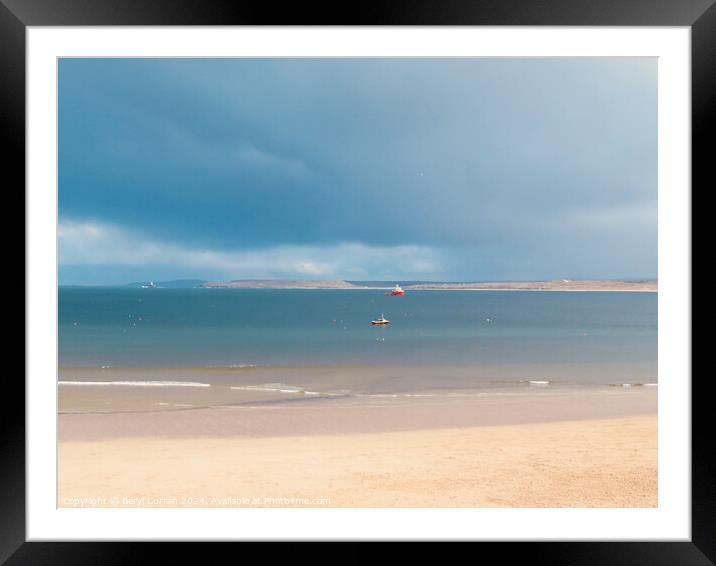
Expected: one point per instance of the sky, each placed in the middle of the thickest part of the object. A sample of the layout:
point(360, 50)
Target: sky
point(360, 169)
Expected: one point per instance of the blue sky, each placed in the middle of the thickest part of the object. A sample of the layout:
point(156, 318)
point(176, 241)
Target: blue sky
point(380, 169)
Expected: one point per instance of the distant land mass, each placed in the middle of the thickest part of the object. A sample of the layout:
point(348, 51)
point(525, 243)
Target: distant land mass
point(280, 284)
point(174, 284)
point(551, 285)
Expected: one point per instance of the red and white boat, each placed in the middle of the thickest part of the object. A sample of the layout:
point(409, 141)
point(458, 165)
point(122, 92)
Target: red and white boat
point(396, 291)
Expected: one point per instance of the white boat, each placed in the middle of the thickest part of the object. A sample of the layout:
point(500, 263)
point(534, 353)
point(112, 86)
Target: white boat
point(380, 321)
point(150, 285)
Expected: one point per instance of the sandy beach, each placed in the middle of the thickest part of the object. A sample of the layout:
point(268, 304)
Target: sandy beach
point(345, 282)
point(583, 449)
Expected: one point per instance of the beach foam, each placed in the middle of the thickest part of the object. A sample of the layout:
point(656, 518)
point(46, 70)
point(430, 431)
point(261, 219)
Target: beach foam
point(234, 366)
point(274, 388)
point(389, 395)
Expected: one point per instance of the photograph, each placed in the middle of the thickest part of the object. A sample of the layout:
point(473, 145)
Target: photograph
point(357, 282)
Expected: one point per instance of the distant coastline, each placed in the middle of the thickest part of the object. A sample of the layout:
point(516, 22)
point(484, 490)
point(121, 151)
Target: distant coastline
point(281, 284)
point(642, 285)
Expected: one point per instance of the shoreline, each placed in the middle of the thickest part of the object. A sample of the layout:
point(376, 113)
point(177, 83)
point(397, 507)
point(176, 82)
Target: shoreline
point(368, 414)
point(117, 389)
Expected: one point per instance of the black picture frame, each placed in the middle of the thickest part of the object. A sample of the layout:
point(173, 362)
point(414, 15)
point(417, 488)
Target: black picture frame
point(16, 15)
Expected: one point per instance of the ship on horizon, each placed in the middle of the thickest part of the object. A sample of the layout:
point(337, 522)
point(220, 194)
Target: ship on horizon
point(396, 291)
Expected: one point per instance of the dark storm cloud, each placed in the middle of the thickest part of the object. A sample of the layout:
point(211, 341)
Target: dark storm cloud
point(503, 168)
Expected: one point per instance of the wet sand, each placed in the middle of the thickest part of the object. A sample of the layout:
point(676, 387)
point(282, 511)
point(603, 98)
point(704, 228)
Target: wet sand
point(364, 415)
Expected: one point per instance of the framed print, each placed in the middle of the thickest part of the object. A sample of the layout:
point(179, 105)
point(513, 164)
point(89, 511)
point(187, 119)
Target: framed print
point(420, 275)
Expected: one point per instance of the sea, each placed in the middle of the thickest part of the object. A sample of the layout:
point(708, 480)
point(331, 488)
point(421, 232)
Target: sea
point(162, 349)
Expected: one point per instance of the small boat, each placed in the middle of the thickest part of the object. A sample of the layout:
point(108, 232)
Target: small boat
point(380, 321)
point(396, 291)
point(150, 285)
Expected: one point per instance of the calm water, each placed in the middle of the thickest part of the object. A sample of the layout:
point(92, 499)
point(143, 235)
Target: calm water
point(219, 327)
point(323, 339)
